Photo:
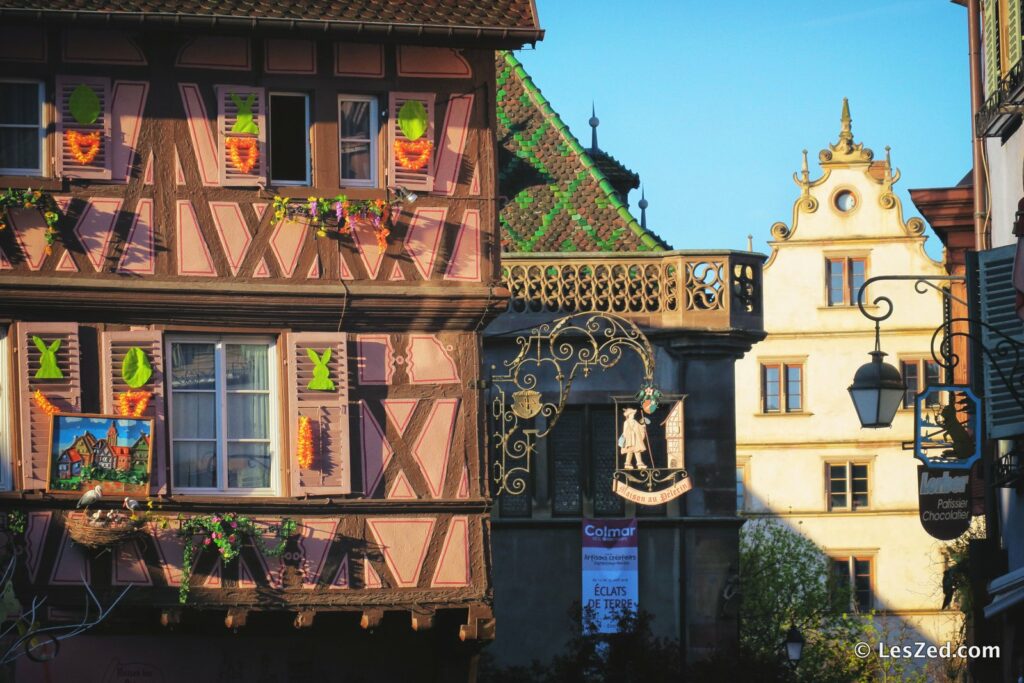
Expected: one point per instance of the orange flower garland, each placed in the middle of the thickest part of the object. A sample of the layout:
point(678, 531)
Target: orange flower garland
point(44, 404)
point(413, 154)
point(305, 443)
point(251, 145)
point(76, 141)
point(133, 403)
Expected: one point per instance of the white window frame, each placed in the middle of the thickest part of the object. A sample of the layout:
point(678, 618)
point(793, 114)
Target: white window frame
point(6, 416)
point(220, 393)
point(39, 170)
point(374, 136)
point(849, 465)
point(309, 141)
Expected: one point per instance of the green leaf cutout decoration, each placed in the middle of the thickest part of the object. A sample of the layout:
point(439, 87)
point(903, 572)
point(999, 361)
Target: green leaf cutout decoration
point(84, 105)
point(135, 368)
point(321, 373)
point(412, 119)
point(243, 119)
point(48, 368)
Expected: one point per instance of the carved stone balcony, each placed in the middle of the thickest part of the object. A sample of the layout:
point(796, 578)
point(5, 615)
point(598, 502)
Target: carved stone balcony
point(672, 290)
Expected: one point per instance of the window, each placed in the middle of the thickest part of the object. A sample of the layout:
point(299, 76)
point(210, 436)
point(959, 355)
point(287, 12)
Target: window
point(223, 426)
point(855, 572)
point(6, 418)
point(847, 485)
point(918, 374)
point(844, 278)
point(782, 387)
point(22, 130)
point(357, 140)
point(741, 484)
point(289, 138)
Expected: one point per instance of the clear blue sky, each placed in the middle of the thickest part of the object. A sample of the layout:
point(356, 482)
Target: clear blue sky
point(712, 102)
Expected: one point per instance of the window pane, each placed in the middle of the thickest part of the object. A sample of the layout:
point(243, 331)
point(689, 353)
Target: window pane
point(770, 383)
point(19, 148)
point(862, 584)
point(856, 278)
point(248, 416)
point(246, 366)
point(19, 104)
point(565, 451)
point(192, 366)
point(860, 485)
point(195, 464)
point(834, 269)
point(193, 415)
point(741, 490)
point(355, 161)
point(249, 465)
point(837, 486)
point(932, 377)
point(909, 369)
point(794, 387)
point(354, 119)
point(289, 138)
point(602, 455)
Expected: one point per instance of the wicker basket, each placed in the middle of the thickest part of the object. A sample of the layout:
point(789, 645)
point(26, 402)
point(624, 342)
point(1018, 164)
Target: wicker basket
point(90, 535)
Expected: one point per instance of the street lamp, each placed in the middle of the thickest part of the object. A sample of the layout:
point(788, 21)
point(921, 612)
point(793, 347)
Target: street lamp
point(877, 391)
point(794, 646)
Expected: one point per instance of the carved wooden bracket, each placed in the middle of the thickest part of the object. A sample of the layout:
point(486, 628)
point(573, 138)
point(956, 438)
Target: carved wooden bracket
point(371, 618)
point(422, 621)
point(170, 617)
point(479, 624)
point(235, 617)
point(304, 619)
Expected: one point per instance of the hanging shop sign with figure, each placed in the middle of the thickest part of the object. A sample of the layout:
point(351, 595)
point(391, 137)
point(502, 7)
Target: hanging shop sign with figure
point(947, 428)
point(610, 585)
point(649, 466)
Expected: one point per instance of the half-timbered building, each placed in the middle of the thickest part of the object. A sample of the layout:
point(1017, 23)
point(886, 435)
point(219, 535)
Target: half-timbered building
point(290, 211)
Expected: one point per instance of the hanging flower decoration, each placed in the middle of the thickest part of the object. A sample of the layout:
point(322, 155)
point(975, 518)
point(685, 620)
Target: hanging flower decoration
point(133, 403)
point(227, 534)
point(413, 154)
point(83, 146)
point(324, 213)
point(12, 199)
point(649, 398)
point(252, 149)
point(305, 438)
point(44, 404)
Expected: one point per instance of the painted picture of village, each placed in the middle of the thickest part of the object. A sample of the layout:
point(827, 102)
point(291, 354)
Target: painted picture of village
point(112, 451)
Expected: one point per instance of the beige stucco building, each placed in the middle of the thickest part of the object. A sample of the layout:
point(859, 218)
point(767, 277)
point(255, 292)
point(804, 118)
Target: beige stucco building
point(802, 456)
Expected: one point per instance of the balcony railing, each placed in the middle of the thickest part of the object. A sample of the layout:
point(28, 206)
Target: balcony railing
point(1003, 104)
point(662, 290)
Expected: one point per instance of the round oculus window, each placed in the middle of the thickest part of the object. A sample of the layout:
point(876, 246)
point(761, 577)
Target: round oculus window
point(845, 201)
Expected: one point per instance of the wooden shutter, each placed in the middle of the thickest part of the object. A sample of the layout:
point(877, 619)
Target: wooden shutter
point(67, 164)
point(227, 115)
point(422, 179)
point(64, 393)
point(327, 412)
point(1003, 416)
point(1011, 34)
point(990, 40)
point(114, 346)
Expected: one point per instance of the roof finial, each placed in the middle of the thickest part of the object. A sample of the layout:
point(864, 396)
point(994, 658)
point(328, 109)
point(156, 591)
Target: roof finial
point(750, 243)
point(643, 208)
point(804, 171)
point(845, 150)
point(594, 123)
point(846, 132)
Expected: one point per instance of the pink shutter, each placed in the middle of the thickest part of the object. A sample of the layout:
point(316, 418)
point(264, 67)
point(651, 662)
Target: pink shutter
point(114, 346)
point(67, 164)
point(64, 393)
point(420, 179)
point(227, 113)
point(327, 412)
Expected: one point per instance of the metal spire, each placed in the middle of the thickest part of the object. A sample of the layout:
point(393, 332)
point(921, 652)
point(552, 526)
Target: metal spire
point(643, 208)
point(594, 123)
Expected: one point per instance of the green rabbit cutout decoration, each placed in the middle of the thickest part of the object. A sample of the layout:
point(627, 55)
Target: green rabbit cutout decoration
point(321, 373)
point(48, 368)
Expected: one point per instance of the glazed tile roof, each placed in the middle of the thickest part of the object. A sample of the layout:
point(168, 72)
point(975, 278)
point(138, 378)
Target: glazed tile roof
point(558, 197)
point(466, 18)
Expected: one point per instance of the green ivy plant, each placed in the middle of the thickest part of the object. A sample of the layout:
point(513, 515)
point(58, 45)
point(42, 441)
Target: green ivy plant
point(226, 533)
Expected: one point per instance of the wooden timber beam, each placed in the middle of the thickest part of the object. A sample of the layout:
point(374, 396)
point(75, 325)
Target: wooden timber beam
point(304, 619)
point(371, 618)
point(422, 621)
point(170, 617)
point(236, 617)
point(479, 624)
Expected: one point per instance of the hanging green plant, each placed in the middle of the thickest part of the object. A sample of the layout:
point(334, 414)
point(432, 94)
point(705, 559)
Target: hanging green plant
point(321, 373)
point(48, 368)
point(12, 199)
point(84, 105)
point(337, 212)
point(227, 533)
point(135, 368)
point(244, 122)
point(412, 120)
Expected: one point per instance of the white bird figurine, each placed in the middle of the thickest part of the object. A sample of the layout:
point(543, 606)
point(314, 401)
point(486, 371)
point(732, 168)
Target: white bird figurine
point(90, 497)
point(131, 504)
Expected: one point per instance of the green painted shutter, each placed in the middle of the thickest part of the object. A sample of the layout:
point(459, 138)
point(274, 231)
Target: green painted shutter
point(990, 37)
point(1012, 34)
point(1004, 417)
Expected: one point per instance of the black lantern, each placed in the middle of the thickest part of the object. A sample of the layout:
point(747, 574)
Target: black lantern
point(794, 646)
point(877, 392)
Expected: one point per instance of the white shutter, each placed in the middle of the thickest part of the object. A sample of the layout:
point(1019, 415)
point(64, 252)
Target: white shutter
point(67, 165)
point(227, 117)
point(421, 179)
